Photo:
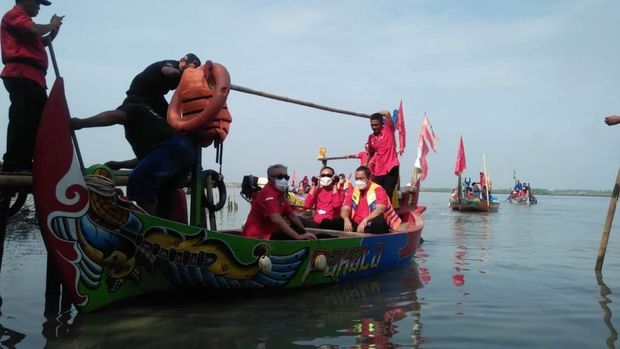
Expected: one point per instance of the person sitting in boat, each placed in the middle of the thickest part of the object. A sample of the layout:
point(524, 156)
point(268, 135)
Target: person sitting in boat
point(164, 158)
point(475, 189)
point(367, 208)
point(518, 186)
point(343, 184)
point(270, 210)
point(325, 198)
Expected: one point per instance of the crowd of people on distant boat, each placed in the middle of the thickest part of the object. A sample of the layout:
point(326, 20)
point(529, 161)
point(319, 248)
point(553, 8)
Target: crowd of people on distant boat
point(474, 191)
point(521, 191)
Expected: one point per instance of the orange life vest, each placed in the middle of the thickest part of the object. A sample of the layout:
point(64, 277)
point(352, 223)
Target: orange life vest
point(391, 217)
point(198, 105)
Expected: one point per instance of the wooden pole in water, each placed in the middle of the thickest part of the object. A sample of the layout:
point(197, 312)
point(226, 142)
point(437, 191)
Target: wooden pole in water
point(296, 101)
point(607, 227)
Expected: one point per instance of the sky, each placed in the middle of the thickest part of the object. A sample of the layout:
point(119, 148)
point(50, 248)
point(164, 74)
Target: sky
point(526, 83)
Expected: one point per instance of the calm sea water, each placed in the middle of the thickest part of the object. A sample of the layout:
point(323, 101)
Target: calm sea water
point(522, 277)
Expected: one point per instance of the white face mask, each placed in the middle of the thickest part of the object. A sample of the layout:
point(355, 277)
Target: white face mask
point(281, 184)
point(360, 184)
point(325, 181)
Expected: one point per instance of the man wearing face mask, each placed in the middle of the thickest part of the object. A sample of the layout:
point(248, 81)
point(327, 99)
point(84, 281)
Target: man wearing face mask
point(325, 199)
point(367, 208)
point(269, 209)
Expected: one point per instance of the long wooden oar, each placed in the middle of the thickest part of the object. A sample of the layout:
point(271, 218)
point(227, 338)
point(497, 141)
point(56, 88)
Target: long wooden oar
point(607, 227)
point(296, 101)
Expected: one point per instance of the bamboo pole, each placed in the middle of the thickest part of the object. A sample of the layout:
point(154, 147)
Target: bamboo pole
point(296, 101)
point(486, 181)
point(607, 227)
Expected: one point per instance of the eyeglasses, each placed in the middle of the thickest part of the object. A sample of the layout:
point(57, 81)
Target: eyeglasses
point(281, 176)
point(326, 175)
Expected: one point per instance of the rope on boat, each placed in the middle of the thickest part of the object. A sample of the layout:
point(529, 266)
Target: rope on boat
point(101, 185)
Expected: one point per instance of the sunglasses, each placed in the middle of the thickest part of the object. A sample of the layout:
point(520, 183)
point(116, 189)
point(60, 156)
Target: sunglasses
point(281, 176)
point(326, 175)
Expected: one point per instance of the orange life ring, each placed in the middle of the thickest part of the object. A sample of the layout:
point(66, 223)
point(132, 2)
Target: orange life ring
point(198, 105)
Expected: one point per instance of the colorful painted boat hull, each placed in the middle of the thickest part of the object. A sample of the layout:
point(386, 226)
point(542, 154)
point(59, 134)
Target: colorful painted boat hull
point(474, 206)
point(106, 249)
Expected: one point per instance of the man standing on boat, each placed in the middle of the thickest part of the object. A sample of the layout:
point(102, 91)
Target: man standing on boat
point(382, 151)
point(164, 158)
point(270, 208)
point(25, 66)
point(367, 208)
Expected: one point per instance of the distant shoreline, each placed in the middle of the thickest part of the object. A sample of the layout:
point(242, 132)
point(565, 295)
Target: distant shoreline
point(554, 192)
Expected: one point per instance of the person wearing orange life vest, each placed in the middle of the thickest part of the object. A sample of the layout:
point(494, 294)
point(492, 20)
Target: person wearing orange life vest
point(367, 208)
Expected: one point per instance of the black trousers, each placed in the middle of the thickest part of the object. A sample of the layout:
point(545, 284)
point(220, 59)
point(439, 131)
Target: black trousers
point(377, 225)
point(28, 99)
point(388, 181)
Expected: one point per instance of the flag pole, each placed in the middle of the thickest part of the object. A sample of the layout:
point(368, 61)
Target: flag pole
point(486, 181)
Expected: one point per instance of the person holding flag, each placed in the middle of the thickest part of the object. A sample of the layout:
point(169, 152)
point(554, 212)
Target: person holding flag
point(382, 150)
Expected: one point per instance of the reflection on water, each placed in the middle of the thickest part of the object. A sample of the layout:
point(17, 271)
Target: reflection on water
point(360, 314)
point(518, 278)
point(605, 291)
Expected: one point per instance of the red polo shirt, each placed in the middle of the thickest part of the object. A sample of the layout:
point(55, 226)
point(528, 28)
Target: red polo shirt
point(382, 150)
point(362, 211)
point(267, 202)
point(23, 53)
point(326, 203)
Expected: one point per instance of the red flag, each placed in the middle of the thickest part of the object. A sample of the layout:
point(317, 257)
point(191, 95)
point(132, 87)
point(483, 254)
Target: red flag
point(400, 127)
point(423, 161)
point(461, 164)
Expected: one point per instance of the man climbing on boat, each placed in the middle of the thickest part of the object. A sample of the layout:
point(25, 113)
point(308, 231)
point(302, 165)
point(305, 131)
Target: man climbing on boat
point(367, 208)
point(270, 210)
point(164, 158)
point(25, 66)
point(382, 151)
point(325, 198)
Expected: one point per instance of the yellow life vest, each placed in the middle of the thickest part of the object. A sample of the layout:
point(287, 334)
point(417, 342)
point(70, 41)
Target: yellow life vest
point(389, 214)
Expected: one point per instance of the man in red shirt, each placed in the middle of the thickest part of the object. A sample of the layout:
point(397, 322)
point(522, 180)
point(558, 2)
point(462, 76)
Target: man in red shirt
point(382, 151)
point(269, 209)
point(25, 66)
point(325, 199)
point(366, 208)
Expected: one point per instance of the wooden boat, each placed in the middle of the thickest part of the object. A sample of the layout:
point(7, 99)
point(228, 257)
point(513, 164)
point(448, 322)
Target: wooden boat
point(107, 249)
point(463, 198)
point(474, 205)
point(524, 196)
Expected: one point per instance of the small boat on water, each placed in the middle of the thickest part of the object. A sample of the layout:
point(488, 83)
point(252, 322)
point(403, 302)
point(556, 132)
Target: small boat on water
point(522, 193)
point(468, 196)
point(107, 249)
